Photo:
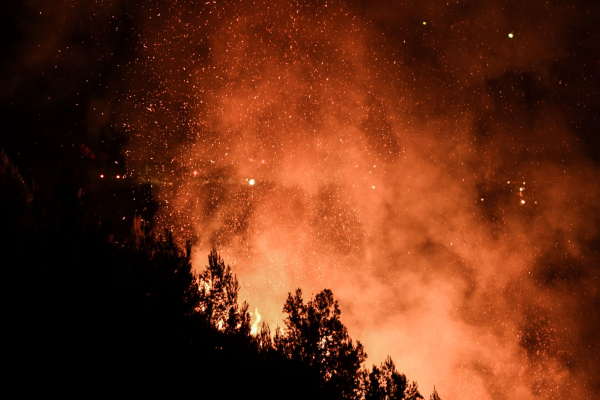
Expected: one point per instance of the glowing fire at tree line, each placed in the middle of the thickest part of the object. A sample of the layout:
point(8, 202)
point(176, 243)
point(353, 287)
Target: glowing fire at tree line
point(313, 334)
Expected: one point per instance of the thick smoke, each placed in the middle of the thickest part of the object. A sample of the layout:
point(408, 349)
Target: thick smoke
point(411, 156)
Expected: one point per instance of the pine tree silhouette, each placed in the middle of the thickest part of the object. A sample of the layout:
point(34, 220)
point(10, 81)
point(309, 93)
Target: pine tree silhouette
point(412, 392)
point(435, 395)
point(219, 297)
point(386, 383)
point(315, 335)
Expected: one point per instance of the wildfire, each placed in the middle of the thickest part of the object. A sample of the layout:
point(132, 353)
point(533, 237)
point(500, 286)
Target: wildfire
point(320, 106)
point(254, 329)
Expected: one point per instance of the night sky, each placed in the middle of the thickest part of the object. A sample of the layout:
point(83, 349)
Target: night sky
point(434, 163)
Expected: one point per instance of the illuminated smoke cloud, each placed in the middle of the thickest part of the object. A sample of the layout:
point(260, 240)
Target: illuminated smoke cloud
point(408, 156)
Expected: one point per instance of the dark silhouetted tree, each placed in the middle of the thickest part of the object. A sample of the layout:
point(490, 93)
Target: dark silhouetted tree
point(263, 338)
point(435, 395)
point(315, 335)
point(412, 392)
point(162, 272)
point(372, 386)
point(386, 383)
point(219, 297)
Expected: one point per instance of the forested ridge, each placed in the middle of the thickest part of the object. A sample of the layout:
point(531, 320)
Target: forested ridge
point(93, 313)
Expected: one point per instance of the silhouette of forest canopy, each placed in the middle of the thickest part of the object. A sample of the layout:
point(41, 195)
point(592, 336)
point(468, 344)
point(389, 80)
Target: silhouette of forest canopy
point(90, 314)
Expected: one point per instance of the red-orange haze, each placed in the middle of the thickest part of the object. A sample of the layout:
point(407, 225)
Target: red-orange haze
point(407, 156)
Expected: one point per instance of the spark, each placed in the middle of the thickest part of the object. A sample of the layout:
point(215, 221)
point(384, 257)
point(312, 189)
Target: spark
point(251, 182)
point(511, 35)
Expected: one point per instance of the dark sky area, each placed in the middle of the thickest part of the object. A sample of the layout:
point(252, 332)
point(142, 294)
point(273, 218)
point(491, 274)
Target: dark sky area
point(434, 163)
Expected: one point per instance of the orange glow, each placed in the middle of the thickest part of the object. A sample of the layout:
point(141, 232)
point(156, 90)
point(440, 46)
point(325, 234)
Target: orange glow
point(254, 329)
point(389, 172)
